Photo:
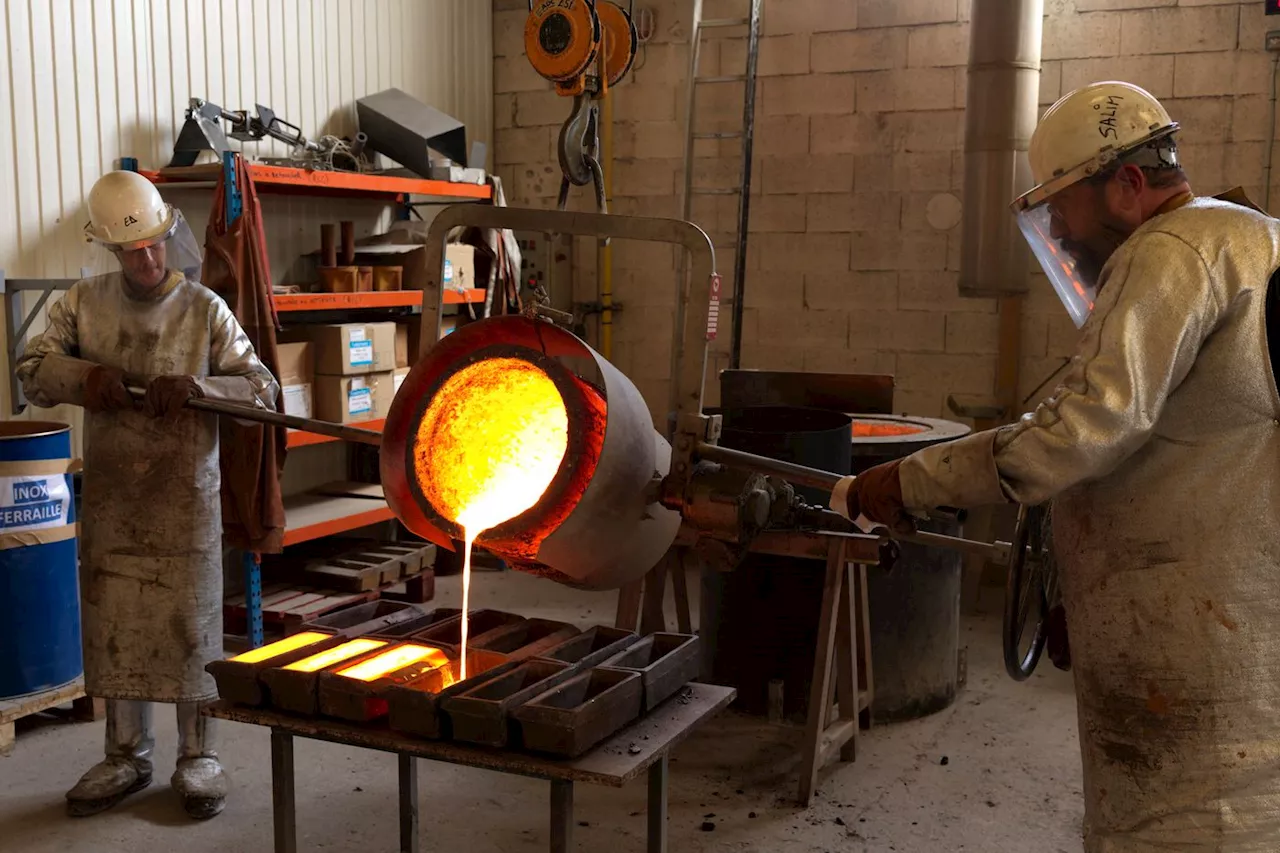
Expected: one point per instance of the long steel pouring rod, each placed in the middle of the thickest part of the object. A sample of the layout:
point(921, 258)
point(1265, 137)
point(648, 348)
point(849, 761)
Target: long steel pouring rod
point(263, 416)
point(799, 475)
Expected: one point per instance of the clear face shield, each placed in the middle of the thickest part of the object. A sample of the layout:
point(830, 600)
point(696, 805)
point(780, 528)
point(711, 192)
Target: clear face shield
point(148, 262)
point(1074, 287)
point(1076, 282)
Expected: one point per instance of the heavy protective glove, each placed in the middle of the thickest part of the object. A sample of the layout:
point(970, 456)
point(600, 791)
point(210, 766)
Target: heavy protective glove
point(877, 494)
point(166, 395)
point(104, 390)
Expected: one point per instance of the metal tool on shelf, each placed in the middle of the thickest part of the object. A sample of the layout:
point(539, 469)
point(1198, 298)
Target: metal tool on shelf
point(203, 131)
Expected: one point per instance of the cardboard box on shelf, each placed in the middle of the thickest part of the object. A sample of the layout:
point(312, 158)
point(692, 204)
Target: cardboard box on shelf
point(402, 344)
point(295, 363)
point(297, 400)
point(351, 399)
point(400, 374)
point(459, 267)
point(353, 348)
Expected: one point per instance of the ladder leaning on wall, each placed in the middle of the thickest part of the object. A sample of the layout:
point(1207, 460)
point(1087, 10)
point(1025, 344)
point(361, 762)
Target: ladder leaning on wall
point(751, 21)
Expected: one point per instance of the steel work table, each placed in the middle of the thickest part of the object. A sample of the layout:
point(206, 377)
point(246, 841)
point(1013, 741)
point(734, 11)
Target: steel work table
point(611, 763)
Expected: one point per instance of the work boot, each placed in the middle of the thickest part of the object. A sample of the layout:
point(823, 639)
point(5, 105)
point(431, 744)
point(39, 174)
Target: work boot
point(127, 766)
point(198, 777)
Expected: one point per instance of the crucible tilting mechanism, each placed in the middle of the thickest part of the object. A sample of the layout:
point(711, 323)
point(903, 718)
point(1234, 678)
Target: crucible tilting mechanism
point(621, 494)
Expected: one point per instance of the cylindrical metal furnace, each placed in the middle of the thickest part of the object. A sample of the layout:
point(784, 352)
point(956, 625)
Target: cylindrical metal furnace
point(914, 609)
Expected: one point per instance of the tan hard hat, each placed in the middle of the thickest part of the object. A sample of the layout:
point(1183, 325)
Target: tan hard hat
point(127, 212)
point(1088, 129)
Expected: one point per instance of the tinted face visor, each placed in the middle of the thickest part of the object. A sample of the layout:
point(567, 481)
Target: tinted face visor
point(1076, 290)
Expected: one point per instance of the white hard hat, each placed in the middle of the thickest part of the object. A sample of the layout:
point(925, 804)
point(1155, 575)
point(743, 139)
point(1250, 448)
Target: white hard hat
point(1087, 130)
point(127, 212)
point(1080, 136)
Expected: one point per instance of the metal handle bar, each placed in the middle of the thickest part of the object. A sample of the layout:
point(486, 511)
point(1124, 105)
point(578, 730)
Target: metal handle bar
point(265, 416)
point(800, 475)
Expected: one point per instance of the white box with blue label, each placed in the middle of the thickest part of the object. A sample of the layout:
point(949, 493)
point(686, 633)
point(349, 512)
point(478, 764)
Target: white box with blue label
point(354, 399)
point(350, 349)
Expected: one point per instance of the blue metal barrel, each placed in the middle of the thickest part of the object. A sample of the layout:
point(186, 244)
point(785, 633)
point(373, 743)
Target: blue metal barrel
point(39, 579)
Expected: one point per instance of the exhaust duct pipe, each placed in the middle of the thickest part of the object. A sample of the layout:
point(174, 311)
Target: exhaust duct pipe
point(1000, 114)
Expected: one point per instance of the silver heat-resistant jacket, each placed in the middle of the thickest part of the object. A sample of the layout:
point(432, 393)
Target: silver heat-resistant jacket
point(151, 546)
point(1162, 448)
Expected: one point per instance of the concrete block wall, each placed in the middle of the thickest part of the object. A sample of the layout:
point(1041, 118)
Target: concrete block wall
point(854, 248)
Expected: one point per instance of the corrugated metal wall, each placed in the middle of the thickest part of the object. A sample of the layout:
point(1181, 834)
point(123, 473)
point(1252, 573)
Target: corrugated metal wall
point(85, 82)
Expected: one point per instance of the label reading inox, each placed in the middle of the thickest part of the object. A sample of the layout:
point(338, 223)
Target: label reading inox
point(34, 502)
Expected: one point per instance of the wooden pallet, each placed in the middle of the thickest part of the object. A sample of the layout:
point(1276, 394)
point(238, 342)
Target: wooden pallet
point(366, 568)
point(83, 708)
point(286, 606)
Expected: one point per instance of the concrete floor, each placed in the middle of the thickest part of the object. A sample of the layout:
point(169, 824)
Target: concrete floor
point(1011, 781)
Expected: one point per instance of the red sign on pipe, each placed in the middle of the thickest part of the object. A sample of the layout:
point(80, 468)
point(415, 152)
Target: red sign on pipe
point(713, 311)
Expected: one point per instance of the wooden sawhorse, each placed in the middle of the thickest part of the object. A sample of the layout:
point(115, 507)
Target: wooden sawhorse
point(839, 706)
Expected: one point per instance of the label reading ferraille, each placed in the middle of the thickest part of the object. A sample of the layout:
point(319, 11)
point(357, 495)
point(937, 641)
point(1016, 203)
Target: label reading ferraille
point(34, 502)
point(713, 310)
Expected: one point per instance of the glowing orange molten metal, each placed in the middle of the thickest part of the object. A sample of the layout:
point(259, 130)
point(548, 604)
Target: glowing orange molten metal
point(398, 658)
point(490, 442)
point(488, 446)
point(876, 430)
point(337, 654)
point(280, 647)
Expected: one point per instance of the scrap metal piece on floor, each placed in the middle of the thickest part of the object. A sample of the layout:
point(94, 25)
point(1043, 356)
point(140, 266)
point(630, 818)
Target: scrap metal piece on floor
point(640, 748)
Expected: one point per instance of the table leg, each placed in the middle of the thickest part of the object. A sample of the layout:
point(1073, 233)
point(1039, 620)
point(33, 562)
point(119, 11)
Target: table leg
point(408, 804)
point(658, 806)
point(561, 816)
point(282, 799)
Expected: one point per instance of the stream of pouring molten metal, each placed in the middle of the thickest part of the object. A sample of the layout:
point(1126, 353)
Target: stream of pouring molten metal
point(489, 444)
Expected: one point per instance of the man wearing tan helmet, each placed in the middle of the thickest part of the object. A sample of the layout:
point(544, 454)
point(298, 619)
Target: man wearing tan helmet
point(1161, 452)
point(151, 546)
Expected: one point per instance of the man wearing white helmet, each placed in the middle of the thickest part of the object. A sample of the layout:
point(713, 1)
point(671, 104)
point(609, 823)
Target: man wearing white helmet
point(1161, 450)
point(151, 546)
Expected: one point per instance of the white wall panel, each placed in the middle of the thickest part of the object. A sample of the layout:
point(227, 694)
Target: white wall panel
point(86, 82)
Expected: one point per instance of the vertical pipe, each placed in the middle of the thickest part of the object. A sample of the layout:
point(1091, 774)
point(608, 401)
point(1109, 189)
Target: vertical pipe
point(1271, 136)
point(1000, 115)
point(1009, 356)
point(605, 258)
point(744, 199)
point(329, 244)
point(686, 200)
point(348, 242)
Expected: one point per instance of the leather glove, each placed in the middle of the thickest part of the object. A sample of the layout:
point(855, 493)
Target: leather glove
point(167, 395)
point(877, 494)
point(104, 390)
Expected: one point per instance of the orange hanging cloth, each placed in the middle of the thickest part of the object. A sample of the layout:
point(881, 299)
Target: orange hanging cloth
point(252, 456)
